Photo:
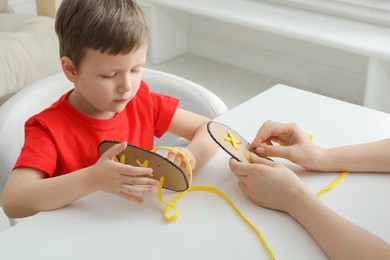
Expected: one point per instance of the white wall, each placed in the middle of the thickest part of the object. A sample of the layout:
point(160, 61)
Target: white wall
point(325, 70)
point(23, 6)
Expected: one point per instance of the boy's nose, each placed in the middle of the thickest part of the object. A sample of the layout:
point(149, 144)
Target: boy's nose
point(125, 83)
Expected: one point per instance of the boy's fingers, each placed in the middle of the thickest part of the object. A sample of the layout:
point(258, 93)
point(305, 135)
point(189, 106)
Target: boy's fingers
point(141, 181)
point(124, 168)
point(131, 197)
point(134, 171)
point(178, 160)
point(114, 150)
point(171, 155)
point(138, 189)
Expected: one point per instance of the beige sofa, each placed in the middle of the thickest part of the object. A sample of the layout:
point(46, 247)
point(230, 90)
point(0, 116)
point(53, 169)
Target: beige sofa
point(28, 50)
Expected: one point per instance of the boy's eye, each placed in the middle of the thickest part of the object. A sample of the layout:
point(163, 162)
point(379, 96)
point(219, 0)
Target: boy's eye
point(108, 76)
point(136, 69)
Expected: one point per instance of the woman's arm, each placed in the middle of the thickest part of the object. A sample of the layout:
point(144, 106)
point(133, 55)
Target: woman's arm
point(338, 237)
point(274, 186)
point(296, 146)
point(368, 157)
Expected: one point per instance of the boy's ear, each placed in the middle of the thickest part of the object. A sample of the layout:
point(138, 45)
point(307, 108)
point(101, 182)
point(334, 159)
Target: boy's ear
point(69, 69)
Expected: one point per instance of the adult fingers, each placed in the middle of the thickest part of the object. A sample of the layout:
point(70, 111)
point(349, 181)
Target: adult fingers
point(253, 158)
point(267, 131)
point(274, 151)
point(237, 167)
point(242, 170)
point(263, 134)
point(272, 130)
point(258, 165)
point(242, 186)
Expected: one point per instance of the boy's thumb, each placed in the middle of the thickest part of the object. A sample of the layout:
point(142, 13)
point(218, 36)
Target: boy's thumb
point(114, 150)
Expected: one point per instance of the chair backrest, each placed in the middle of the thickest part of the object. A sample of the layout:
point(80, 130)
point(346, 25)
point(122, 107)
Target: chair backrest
point(41, 94)
point(16, 110)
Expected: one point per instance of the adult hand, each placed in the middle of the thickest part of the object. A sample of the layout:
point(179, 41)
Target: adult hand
point(294, 144)
point(267, 183)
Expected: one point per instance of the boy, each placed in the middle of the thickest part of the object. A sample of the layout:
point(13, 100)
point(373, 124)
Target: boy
point(103, 46)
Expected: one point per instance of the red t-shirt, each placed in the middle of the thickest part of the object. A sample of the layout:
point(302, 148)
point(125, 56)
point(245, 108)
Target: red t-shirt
point(60, 139)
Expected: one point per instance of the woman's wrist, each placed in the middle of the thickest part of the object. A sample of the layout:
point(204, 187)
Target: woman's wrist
point(297, 200)
point(317, 160)
point(329, 161)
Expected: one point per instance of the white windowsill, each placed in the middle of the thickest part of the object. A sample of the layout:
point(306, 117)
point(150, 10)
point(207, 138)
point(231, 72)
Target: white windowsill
point(377, 12)
point(349, 35)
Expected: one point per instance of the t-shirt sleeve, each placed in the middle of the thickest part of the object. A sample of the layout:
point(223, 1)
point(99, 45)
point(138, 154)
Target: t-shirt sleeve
point(38, 151)
point(164, 109)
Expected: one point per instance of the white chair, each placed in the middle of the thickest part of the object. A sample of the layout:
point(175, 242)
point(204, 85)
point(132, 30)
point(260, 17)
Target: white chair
point(192, 96)
point(41, 94)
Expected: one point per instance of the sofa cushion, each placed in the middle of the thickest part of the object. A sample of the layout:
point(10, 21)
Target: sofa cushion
point(5, 7)
point(28, 49)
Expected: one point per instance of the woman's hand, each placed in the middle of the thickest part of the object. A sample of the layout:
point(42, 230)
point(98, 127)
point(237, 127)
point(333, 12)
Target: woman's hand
point(267, 183)
point(291, 143)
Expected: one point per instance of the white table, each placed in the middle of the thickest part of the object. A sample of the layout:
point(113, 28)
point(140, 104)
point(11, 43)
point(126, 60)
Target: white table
point(103, 226)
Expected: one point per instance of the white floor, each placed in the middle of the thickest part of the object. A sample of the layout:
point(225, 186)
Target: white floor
point(233, 85)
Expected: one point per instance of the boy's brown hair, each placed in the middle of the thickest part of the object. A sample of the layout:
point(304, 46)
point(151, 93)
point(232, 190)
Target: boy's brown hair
point(109, 26)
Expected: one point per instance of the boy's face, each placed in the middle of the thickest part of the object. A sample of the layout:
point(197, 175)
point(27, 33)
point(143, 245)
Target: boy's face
point(105, 83)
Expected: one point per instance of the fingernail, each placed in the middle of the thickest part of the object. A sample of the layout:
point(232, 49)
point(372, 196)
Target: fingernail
point(260, 149)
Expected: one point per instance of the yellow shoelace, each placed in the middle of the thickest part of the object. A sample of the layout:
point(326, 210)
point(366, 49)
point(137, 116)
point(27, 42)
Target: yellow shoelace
point(171, 204)
point(334, 183)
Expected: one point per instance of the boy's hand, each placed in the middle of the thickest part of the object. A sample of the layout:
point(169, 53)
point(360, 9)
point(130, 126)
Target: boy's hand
point(122, 179)
point(178, 159)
